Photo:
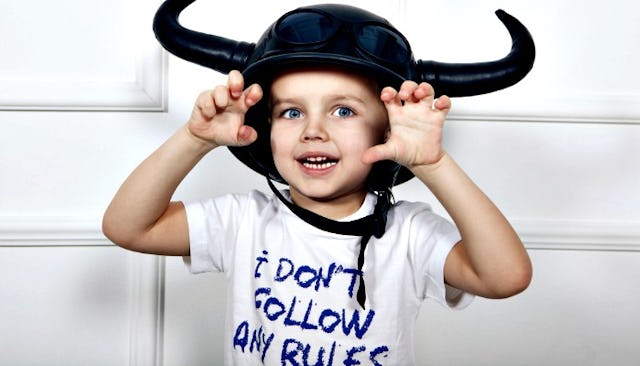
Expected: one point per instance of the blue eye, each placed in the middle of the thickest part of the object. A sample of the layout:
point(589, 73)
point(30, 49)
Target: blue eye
point(291, 113)
point(343, 112)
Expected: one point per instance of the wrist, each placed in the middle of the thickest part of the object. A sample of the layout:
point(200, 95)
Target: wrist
point(445, 175)
point(198, 144)
point(439, 175)
point(425, 170)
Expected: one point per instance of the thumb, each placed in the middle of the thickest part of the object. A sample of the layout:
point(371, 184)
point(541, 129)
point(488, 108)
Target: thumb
point(246, 135)
point(377, 153)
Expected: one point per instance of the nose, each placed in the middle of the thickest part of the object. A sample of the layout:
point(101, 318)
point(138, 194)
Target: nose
point(314, 129)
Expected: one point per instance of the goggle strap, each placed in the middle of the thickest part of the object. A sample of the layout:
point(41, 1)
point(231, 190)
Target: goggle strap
point(361, 227)
point(361, 296)
point(372, 225)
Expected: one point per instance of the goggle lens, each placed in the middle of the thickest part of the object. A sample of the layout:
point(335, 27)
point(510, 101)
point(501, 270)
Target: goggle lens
point(383, 43)
point(305, 28)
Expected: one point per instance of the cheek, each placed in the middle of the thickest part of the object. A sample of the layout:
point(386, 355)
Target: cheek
point(376, 135)
point(281, 145)
point(276, 136)
point(353, 149)
point(277, 154)
point(277, 146)
point(381, 125)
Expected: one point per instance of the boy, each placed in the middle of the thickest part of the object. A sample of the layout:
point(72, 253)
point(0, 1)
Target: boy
point(328, 271)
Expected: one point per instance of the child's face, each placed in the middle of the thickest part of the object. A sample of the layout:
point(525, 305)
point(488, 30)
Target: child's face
point(322, 123)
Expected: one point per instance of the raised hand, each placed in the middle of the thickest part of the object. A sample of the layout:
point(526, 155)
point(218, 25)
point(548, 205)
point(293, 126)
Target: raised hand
point(416, 121)
point(218, 115)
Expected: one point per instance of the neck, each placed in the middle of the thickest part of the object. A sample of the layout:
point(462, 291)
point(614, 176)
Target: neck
point(331, 208)
point(373, 224)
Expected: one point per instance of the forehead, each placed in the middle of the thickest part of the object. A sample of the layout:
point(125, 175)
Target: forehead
point(313, 78)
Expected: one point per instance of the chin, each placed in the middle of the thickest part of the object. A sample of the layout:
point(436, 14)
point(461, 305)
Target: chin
point(320, 195)
point(328, 194)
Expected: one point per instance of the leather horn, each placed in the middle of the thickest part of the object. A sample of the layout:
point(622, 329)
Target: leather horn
point(218, 53)
point(467, 79)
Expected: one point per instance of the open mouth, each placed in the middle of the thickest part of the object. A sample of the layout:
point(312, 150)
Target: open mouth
point(318, 162)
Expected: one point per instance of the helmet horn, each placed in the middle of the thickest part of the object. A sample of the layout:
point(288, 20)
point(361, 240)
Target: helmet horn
point(460, 80)
point(218, 53)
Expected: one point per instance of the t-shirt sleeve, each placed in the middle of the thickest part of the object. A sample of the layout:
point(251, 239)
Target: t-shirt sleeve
point(212, 228)
point(436, 238)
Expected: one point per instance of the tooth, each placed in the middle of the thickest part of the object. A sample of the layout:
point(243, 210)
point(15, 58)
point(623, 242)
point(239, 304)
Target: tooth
point(317, 164)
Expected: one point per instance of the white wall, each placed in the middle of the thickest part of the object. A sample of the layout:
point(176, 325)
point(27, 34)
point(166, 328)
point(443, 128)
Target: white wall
point(86, 94)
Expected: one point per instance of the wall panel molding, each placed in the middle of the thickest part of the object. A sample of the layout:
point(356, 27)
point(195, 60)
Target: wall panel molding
point(21, 231)
point(575, 107)
point(147, 310)
point(113, 64)
point(27, 231)
point(579, 235)
point(146, 283)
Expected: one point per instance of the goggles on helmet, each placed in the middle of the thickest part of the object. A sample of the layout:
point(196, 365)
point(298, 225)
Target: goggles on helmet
point(313, 28)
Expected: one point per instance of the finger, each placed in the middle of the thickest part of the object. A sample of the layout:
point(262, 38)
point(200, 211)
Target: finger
point(221, 97)
point(235, 83)
point(253, 94)
point(205, 104)
point(407, 89)
point(378, 153)
point(389, 95)
point(246, 135)
point(443, 103)
point(424, 91)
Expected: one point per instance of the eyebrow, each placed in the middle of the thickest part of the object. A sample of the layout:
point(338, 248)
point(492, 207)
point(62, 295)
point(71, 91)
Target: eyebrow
point(337, 97)
point(329, 98)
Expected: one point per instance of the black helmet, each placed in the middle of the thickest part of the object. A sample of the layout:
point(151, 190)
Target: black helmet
point(344, 36)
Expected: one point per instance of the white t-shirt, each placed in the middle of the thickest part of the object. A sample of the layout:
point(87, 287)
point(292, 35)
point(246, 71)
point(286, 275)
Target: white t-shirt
point(291, 287)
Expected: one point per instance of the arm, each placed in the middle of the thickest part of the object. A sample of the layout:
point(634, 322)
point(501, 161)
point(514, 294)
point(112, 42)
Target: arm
point(490, 260)
point(141, 216)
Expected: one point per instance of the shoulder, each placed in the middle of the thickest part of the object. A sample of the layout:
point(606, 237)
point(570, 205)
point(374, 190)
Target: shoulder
point(408, 209)
point(420, 220)
point(232, 204)
point(253, 197)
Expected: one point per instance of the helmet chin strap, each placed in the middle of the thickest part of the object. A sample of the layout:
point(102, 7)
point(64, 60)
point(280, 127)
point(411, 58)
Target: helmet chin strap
point(372, 225)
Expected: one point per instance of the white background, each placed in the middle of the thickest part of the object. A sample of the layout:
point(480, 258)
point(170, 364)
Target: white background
point(86, 94)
